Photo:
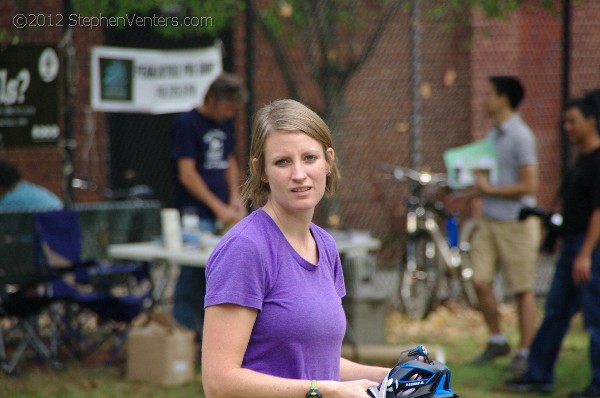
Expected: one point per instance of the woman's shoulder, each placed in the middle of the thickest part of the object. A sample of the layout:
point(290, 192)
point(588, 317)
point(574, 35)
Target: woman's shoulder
point(325, 237)
point(252, 230)
point(246, 246)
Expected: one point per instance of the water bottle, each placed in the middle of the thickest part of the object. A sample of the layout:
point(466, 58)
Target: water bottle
point(190, 223)
point(452, 231)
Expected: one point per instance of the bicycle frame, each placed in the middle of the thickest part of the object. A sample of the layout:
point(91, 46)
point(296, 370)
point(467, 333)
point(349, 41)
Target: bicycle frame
point(427, 222)
point(430, 257)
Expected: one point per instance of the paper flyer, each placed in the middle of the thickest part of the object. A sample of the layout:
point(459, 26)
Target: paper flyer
point(462, 162)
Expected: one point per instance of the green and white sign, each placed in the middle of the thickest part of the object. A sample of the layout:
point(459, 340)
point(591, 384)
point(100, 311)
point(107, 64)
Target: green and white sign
point(462, 162)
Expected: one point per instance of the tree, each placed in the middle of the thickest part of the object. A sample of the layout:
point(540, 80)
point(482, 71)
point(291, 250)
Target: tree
point(337, 41)
point(337, 36)
point(216, 15)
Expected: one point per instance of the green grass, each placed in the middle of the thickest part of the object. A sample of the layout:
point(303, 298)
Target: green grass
point(91, 381)
point(463, 336)
point(572, 370)
point(460, 334)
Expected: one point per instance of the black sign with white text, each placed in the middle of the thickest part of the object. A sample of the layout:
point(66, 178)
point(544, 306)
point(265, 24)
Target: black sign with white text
point(28, 96)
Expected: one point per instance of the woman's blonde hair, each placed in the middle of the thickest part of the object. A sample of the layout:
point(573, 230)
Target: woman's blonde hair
point(284, 115)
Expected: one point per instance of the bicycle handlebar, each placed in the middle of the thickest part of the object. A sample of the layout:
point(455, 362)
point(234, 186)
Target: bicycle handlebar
point(140, 191)
point(402, 173)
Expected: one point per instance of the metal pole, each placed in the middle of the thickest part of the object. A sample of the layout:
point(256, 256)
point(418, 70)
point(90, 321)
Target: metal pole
point(415, 72)
point(249, 72)
point(68, 142)
point(566, 80)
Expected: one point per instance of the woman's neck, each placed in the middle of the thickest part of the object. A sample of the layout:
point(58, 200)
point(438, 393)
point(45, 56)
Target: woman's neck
point(294, 226)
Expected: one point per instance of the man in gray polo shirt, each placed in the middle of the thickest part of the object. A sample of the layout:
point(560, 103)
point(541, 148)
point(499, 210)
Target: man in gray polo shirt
point(504, 243)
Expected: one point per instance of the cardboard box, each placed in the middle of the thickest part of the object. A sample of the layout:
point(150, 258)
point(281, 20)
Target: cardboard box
point(161, 352)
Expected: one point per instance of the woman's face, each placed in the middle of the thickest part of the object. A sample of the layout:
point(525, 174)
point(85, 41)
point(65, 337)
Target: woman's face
point(296, 170)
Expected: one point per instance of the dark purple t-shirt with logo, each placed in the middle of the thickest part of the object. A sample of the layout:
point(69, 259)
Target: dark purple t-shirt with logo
point(300, 323)
point(209, 144)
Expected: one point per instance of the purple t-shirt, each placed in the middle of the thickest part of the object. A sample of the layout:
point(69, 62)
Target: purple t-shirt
point(300, 323)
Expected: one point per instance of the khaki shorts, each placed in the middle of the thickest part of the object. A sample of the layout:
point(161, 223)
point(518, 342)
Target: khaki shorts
point(508, 246)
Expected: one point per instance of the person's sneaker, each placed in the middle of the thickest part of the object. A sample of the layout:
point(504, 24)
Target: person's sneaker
point(492, 351)
point(523, 384)
point(518, 365)
point(589, 392)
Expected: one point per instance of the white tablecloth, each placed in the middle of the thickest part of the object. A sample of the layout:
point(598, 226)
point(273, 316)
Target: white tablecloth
point(350, 243)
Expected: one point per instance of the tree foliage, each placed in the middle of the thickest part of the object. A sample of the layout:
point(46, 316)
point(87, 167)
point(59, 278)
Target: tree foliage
point(216, 15)
point(280, 15)
point(452, 12)
point(337, 37)
point(491, 8)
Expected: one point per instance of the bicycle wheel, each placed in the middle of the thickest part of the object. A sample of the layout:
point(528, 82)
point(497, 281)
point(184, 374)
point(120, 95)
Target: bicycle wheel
point(419, 277)
point(465, 274)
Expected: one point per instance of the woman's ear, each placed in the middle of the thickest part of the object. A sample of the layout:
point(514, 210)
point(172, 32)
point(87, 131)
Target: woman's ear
point(263, 178)
point(331, 155)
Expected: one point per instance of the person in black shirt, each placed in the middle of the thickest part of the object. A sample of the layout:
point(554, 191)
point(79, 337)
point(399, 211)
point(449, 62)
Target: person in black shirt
point(576, 282)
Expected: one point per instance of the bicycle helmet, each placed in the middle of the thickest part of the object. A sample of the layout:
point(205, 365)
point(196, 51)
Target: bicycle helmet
point(411, 378)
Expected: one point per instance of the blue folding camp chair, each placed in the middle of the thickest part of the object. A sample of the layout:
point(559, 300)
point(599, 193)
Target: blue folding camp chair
point(21, 309)
point(103, 298)
point(23, 297)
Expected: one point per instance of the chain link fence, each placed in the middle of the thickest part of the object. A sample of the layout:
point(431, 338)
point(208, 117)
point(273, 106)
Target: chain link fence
point(418, 90)
point(397, 81)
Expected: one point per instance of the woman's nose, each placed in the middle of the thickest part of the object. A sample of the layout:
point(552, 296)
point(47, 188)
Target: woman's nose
point(298, 172)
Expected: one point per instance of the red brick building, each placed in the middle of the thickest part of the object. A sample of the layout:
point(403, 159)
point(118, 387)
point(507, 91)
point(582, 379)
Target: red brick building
point(376, 126)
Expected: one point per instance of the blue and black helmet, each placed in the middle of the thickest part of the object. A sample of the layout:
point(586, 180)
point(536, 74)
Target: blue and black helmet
point(411, 378)
point(420, 379)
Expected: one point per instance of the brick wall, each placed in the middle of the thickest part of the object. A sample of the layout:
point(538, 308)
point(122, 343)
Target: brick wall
point(455, 65)
point(527, 45)
point(43, 165)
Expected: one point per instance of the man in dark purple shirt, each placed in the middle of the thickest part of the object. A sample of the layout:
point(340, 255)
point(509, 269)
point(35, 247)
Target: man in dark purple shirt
point(207, 180)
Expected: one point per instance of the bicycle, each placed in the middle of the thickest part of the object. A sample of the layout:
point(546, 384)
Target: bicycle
point(436, 266)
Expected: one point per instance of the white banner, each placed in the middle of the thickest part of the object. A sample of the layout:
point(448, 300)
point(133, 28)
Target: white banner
point(151, 81)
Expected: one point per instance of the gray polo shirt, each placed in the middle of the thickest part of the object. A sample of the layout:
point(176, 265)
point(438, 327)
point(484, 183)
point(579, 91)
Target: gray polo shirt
point(515, 147)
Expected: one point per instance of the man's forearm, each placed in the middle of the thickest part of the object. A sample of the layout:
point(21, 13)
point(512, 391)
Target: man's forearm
point(196, 187)
point(592, 235)
point(232, 176)
point(514, 190)
point(527, 184)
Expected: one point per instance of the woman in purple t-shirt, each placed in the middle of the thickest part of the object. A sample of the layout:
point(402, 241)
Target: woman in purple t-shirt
point(274, 320)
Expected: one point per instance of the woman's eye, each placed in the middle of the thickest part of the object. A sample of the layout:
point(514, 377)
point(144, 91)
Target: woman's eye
point(311, 157)
point(281, 162)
